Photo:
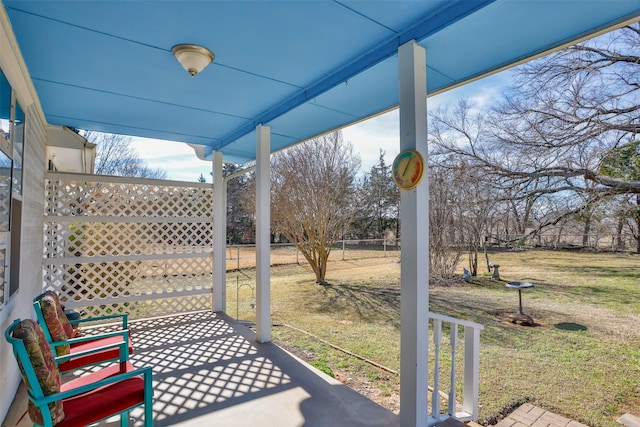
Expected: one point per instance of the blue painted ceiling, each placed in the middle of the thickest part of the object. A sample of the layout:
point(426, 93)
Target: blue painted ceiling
point(300, 67)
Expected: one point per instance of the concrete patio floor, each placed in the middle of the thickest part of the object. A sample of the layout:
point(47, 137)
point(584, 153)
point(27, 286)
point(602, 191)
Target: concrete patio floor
point(209, 370)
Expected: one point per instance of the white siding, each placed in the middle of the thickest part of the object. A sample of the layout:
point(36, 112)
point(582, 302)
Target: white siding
point(32, 207)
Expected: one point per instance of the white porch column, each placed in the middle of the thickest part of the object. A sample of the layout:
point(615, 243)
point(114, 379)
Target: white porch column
point(263, 234)
point(219, 236)
point(414, 235)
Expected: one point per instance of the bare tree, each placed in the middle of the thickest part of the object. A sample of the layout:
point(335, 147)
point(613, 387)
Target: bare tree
point(624, 163)
point(547, 140)
point(115, 156)
point(444, 250)
point(455, 137)
point(476, 211)
point(567, 111)
point(312, 191)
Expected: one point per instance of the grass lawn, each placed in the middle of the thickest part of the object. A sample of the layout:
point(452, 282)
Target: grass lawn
point(580, 360)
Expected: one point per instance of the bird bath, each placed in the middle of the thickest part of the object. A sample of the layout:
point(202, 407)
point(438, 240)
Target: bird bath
point(520, 317)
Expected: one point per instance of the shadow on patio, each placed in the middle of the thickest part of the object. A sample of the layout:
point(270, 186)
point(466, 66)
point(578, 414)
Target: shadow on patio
point(208, 370)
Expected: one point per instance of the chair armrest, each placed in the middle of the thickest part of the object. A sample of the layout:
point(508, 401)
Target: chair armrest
point(145, 372)
point(124, 333)
point(124, 320)
point(122, 346)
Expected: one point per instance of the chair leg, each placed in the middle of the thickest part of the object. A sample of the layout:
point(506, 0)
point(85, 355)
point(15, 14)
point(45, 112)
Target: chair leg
point(124, 419)
point(148, 415)
point(148, 400)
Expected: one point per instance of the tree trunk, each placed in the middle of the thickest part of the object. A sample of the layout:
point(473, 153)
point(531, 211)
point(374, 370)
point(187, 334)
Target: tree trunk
point(637, 215)
point(321, 270)
point(619, 243)
point(585, 233)
point(473, 259)
point(486, 253)
point(558, 238)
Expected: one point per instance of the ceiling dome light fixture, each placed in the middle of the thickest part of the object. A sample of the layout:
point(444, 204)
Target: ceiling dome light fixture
point(193, 58)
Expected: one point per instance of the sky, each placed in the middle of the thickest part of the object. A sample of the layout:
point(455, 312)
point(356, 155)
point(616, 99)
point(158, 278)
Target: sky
point(367, 137)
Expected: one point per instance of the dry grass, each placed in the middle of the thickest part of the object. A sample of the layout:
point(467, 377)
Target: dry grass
point(581, 360)
point(243, 257)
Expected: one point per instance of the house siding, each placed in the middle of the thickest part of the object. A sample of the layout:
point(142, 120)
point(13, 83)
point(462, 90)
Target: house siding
point(30, 279)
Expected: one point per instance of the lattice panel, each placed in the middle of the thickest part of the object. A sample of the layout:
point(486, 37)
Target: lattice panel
point(141, 284)
point(153, 307)
point(69, 198)
point(126, 238)
point(100, 280)
point(53, 239)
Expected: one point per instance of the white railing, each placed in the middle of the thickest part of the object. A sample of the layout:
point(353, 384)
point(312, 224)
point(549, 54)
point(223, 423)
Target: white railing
point(469, 361)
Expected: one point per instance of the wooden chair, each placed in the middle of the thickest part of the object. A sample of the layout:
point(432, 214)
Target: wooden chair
point(59, 333)
point(88, 399)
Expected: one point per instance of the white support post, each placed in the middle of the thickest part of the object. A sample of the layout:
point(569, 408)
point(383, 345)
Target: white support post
point(471, 371)
point(263, 234)
point(219, 236)
point(414, 220)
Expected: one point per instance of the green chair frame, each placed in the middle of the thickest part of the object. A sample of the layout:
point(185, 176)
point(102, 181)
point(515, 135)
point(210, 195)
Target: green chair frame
point(78, 345)
point(124, 373)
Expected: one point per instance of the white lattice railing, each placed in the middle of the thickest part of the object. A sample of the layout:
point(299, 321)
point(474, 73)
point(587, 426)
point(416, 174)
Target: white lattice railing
point(447, 373)
point(116, 244)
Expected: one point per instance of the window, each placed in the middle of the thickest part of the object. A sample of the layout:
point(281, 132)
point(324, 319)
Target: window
point(15, 219)
point(17, 134)
point(5, 111)
point(12, 126)
point(14, 264)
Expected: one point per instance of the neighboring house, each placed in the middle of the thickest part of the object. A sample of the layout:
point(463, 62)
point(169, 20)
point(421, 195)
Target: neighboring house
point(69, 152)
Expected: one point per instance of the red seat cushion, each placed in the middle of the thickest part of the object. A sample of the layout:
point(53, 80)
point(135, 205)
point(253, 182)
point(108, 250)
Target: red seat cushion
point(101, 374)
point(102, 402)
point(96, 357)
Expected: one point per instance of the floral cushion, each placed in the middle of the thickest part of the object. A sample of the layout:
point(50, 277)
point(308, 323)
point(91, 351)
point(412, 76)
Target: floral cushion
point(45, 368)
point(57, 323)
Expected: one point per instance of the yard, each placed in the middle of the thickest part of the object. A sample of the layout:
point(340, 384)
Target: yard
point(581, 359)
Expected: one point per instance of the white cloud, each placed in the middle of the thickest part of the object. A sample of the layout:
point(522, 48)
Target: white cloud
point(382, 132)
point(373, 135)
point(176, 158)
